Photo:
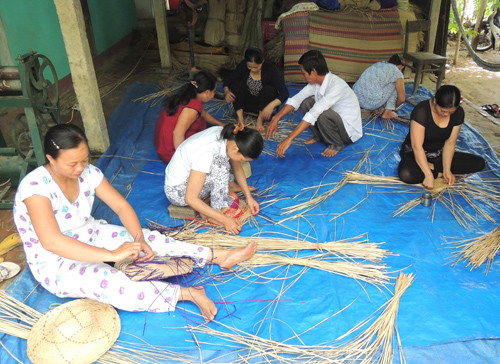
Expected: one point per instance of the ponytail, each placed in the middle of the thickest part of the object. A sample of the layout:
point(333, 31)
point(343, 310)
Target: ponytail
point(202, 81)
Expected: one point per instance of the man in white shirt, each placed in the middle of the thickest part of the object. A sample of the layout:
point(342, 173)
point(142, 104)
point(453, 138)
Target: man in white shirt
point(330, 108)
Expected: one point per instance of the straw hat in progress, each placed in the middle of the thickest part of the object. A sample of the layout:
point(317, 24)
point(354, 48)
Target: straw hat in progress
point(77, 332)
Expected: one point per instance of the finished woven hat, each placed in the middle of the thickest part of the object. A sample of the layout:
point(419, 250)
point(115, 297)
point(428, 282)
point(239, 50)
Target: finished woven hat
point(77, 332)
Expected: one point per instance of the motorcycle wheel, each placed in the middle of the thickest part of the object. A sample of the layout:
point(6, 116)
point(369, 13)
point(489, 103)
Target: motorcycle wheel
point(484, 41)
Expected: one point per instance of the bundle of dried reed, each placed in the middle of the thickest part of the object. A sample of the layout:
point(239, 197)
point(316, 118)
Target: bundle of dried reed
point(275, 48)
point(357, 247)
point(478, 250)
point(485, 190)
point(215, 30)
point(235, 16)
point(371, 273)
point(373, 345)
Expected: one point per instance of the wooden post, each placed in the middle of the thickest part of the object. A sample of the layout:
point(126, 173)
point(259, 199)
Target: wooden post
point(459, 35)
point(162, 32)
point(434, 18)
point(479, 19)
point(83, 73)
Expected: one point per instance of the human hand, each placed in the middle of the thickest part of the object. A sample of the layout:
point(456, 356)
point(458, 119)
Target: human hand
point(126, 250)
point(149, 254)
point(266, 112)
point(254, 205)
point(449, 178)
point(282, 147)
point(272, 127)
point(232, 225)
point(229, 96)
point(428, 182)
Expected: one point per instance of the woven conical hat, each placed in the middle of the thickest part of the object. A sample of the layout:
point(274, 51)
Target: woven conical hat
point(77, 332)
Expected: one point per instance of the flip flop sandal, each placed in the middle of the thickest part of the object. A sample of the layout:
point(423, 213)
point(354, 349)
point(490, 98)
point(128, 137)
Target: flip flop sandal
point(8, 270)
point(488, 108)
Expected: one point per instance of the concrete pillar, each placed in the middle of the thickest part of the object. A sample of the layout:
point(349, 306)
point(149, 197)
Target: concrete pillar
point(5, 55)
point(83, 73)
point(434, 18)
point(162, 32)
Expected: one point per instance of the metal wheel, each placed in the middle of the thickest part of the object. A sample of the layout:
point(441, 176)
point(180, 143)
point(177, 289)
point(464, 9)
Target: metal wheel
point(43, 89)
point(21, 133)
point(484, 40)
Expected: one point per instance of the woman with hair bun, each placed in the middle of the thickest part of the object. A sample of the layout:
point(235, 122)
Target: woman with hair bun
point(202, 165)
point(183, 114)
point(255, 86)
point(428, 151)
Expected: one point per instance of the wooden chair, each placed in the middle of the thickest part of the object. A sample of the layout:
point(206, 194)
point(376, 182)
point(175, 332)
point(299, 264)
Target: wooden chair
point(423, 61)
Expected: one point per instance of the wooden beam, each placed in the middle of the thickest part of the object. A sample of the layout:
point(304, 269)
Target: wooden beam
point(162, 32)
point(83, 73)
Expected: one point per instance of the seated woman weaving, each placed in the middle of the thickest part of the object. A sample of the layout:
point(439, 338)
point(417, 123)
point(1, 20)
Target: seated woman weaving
point(65, 246)
point(255, 86)
point(429, 148)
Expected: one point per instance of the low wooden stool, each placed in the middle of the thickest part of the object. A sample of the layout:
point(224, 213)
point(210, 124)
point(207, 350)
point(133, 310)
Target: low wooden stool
point(181, 212)
point(247, 169)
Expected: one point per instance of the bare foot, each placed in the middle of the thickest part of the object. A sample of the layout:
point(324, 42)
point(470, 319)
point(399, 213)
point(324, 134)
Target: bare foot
point(329, 152)
point(389, 114)
point(310, 140)
point(234, 187)
point(260, 125)
point(198, 296)
point(226, 259)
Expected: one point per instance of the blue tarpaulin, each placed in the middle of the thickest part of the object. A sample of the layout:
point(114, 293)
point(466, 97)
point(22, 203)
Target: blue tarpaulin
point(450, 314)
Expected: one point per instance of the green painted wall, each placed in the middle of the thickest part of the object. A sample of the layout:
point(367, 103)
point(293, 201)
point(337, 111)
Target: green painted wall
point(112, 20)
point(33, 24)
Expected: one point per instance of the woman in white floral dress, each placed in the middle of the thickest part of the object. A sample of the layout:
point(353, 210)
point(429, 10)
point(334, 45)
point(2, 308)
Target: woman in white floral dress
point(66, 247)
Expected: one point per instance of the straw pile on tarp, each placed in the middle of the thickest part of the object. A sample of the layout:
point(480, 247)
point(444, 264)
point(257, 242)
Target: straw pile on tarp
point(374, 345)
point(478, 250)
point(215, 29)
point(348, 258)
point(235, 17)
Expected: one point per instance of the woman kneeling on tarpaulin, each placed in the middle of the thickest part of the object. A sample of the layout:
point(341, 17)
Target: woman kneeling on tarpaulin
point(202, 165)
point(428, 151)
point(66, 247)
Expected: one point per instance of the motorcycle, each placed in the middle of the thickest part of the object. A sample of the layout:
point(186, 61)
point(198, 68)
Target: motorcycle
point(489, 33)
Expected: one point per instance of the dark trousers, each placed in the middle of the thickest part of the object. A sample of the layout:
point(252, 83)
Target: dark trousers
point(462, 163)
point(329, 127)
point(249, 103)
